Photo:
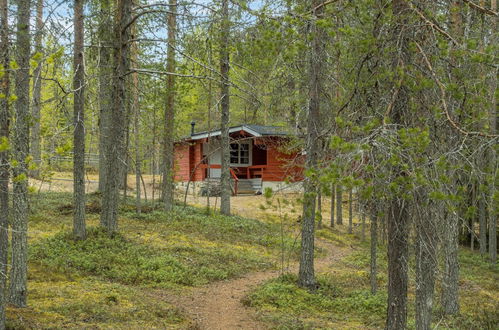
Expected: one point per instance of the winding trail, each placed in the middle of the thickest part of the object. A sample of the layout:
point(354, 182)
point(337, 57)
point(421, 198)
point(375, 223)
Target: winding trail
point(219, 305)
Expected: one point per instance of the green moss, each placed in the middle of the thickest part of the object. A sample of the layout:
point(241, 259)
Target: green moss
point(330, 306)
point(58, 300)
point(126, 261)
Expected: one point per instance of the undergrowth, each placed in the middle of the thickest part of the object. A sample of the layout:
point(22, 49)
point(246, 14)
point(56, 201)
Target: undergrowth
point(343, 298)
point(108, 282)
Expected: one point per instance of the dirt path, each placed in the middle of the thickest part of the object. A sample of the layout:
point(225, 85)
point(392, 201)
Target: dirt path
point(219, 305)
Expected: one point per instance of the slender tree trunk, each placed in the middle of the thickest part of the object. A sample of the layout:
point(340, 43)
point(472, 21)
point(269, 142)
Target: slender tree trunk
point(482, 218)
point(363, 224)
point(350, 211)
point(426, 267)
point(4, 158)
point(136, 112)
point(115, 146)
point(18, 272)
point(105, 88)
point(37, 94)
point(306, 277)
point(339, 205)
point(168, 153)
point(374, 253)
point(208, 141)
point(493, 210)
point(224, 103)
point(450, 235)
point(398, 254)
point(319, 208)
point(450, 277)
point(333, 198)
point(398, 215)
point(79, 227)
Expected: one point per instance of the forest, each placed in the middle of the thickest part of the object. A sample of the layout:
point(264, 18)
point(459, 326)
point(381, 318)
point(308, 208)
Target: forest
point(386, 109)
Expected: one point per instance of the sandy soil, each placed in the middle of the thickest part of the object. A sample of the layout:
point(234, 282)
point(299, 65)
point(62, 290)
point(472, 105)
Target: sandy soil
point(219, 305)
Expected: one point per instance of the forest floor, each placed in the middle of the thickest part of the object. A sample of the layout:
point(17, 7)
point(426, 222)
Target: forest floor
point(188, 269)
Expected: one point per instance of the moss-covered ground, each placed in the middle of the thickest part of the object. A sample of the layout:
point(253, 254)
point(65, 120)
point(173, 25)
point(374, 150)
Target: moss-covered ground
point(343, 299)
point(103, 282)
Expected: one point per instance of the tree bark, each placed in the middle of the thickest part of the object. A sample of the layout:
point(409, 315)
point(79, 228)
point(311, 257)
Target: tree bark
point(37, 94)
point(306, 276)
point(18, 273)
point(339, 205)
point(333, 198)
point(450, 235)
point(4, 158)
point(136, 125)
point(319, 208)
point(426, 267)
point(363, 224)
point(115, 147)
point(374, 253)
point(350, 211)
point(168, 166)
point(105, 88)
point(224, 103)
point(79, 226)
point(493, 211)
point(482, 218)
point(450, 278)
point(398, 215)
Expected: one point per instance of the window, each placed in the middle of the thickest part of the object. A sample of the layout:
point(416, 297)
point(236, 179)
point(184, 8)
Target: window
point(240, 153)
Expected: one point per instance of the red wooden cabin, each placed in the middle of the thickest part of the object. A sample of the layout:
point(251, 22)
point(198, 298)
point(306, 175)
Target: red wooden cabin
point(257, 156)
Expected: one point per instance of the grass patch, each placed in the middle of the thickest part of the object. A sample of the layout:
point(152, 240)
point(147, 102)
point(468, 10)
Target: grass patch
point(58, 300)
point(125, 261)
point(343, 299)
point(107, 282)
point(329, 307)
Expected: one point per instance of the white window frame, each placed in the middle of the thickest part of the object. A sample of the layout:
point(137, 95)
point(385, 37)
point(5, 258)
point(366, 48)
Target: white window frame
point(250, 150)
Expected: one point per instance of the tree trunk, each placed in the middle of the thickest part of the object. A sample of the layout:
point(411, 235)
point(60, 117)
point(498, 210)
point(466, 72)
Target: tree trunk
point(18, 272)
point(482, 218)
point(306, 277)
point(450, 235)
point(426, 267)
point(105, 88)
point(136, 125)
point(168, 153)
point(450, 277)
point(339, 205)
point(398, 254)
point(333, 197)
point(398, 215)
point(374, 253)
point(37, 94)
point(350, 211)
point(493, 211)
point(4, 158)
point(79, 227)
point(363, 224)
point(224, 103)
point(115, 146)
point(319, 208)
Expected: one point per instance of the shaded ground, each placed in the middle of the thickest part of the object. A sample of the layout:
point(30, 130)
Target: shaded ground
point(220, 305)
